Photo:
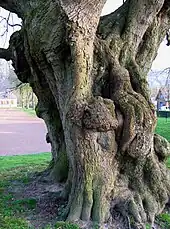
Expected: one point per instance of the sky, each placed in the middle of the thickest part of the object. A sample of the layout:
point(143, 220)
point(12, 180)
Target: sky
point(162, 60)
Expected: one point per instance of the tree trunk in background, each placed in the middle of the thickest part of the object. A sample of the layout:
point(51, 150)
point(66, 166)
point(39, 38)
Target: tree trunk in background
point(47, 110)
point(90, 80)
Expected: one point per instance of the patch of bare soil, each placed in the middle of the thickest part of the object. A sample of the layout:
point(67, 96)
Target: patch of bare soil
point(47, 205)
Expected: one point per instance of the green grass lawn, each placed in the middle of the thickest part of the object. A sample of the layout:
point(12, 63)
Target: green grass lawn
point(163, 128)
point(12, 209)
point(18, 168)
point(9, 162)
point(29, 111)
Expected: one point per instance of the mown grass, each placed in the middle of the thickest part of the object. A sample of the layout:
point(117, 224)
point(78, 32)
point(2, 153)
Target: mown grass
point(29, 111)
point(18, 168)
point(8, 162)
point(12, 168)
point(163, 128)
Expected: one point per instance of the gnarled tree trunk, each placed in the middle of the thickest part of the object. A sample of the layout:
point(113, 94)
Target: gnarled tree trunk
point(89, 74)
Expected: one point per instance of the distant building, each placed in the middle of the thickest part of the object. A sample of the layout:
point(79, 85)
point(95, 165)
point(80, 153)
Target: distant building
point(162, 99)
point(7, 100)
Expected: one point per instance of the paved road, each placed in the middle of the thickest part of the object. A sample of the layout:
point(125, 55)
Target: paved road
point(21, 133)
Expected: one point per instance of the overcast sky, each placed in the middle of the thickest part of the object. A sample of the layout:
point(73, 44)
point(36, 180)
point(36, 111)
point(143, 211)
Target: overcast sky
point(162, 60)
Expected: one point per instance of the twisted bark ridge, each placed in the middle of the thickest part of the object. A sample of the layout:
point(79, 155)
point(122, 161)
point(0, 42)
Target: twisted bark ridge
point(89, 74)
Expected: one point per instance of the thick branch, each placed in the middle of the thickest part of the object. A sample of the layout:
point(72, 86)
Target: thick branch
point(140, 16)
point(76, 9)
point(5, 54)
point(85, 13)
point(13, 6)
point(136, 30)
point(131, 20)
point(151, 41)
point(113, 24)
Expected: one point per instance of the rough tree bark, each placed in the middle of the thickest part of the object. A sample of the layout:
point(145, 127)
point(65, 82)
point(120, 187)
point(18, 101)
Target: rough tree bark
point(89, 74)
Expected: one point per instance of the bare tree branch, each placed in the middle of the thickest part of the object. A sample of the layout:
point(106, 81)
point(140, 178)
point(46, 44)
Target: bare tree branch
point(7, 23)
point(11, 89)
point(140, 17)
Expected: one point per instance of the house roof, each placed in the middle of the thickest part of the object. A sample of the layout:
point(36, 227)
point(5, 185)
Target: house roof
point(7, 95)
point(163, 94)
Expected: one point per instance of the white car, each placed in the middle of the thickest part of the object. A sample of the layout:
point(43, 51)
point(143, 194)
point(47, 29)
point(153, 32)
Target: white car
point(164, 108)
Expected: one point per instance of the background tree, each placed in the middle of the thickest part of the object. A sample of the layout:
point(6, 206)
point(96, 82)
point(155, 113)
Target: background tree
point(158, 79)
point(24, 93)
point(89, 75)
point(3, 79)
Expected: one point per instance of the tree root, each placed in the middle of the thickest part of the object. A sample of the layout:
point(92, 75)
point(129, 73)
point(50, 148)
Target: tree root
point(146, 185)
